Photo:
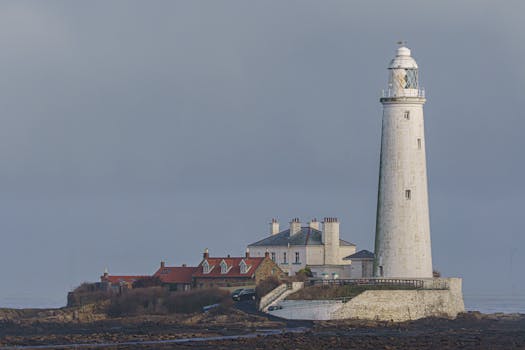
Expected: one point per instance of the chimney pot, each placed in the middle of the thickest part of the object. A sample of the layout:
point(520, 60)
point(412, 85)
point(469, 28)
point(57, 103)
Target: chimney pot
point(274, 227)
point(162, 264)
point(295, 226)
point(314, 224)
point(206, 254)
point(247, 252)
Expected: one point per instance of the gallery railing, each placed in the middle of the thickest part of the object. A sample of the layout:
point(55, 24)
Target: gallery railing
point(389, 282)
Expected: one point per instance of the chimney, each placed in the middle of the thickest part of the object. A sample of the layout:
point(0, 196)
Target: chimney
point(184, 265)
point(267, 254)
point(330, 240)
point(206, 254)
point(106, 273)
point(314, 224)
point(247, 252)
point(274, 227)
point(295, 226)
point(162, 264)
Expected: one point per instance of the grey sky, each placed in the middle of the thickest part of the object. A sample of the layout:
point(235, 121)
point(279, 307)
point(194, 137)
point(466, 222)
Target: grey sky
point(138, 131)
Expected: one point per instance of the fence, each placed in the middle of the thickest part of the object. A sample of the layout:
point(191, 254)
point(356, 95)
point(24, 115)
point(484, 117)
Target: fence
point(395, 282)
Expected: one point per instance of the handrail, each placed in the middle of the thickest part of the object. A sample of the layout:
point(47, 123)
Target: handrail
point(389, 93)
point(412, 283)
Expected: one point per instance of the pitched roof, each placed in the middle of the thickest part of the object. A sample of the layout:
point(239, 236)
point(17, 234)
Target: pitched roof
point(233, 264)
point(307, 236)
point(362, 254)
point(175, 274)
point(121, 279)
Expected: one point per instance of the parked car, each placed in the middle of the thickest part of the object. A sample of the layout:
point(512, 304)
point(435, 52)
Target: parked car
point(245, 294)
point(235, 294)
point(275, 307)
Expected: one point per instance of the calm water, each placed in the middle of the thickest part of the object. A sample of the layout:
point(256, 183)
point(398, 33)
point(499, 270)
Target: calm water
point(482, 303)
point(495, 303)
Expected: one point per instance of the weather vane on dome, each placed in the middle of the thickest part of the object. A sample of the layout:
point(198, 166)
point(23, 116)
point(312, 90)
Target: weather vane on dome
point(402, 42)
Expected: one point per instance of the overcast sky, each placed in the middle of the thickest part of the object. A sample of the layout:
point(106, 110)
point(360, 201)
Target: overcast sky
point(133, 132)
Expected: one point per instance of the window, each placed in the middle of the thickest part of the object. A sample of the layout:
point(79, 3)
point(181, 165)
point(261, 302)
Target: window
point(411, 79)
point(273, 256)
point(224, 267)
point(297, 257)
point(418, 143)
point(205, 267)
point(381, 271)
point(244, 267)
point(408, 194)
point(285, 261)
point(407, 115)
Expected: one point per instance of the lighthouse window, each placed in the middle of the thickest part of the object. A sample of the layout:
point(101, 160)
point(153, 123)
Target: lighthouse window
point(419, 143)
point(407, 194)
point(411, 79)
point(407, 115)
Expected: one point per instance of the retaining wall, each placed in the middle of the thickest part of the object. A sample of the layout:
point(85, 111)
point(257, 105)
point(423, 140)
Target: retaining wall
point(404, 305)
point(307, 309)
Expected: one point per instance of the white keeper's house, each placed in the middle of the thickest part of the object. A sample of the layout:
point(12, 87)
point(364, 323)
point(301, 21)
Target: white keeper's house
point(298, 246)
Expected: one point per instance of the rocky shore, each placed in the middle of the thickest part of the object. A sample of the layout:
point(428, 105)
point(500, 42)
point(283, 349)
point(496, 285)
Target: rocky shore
point(235, 329)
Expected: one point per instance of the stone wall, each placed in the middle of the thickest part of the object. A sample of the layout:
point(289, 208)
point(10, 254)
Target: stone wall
point(280, 295)
point(404, 305)
point(271, 296)
point(307, 309)
point(268, 268)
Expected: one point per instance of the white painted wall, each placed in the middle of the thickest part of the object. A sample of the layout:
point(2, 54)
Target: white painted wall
point(345, 251)
point(315, 255)
point(290, 267)
point(330, 240)
point(307, 309)
point(361, 268)
point(403, 229)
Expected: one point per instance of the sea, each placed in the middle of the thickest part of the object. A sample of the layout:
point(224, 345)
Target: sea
point(489, 304)
point(486, 303)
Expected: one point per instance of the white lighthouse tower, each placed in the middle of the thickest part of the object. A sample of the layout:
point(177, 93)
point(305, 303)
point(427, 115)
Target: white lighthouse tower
point(402, 244)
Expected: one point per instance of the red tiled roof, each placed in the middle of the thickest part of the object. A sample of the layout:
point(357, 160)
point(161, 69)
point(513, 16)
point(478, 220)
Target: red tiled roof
point(175, 274)
point(234, 269)
point(119, 279)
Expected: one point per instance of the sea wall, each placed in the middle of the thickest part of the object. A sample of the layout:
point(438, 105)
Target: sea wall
point(404, 305)
point(307, 309)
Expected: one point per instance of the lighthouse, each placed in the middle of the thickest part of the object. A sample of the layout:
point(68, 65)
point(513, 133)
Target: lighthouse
point(402, 241)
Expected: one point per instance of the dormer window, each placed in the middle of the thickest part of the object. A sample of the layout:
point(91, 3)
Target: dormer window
point(205, 267)
point(224, 267)
point(244, 267)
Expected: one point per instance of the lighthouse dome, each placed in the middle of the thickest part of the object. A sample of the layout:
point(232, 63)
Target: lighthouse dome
point(403, 59)
point(403, 76)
